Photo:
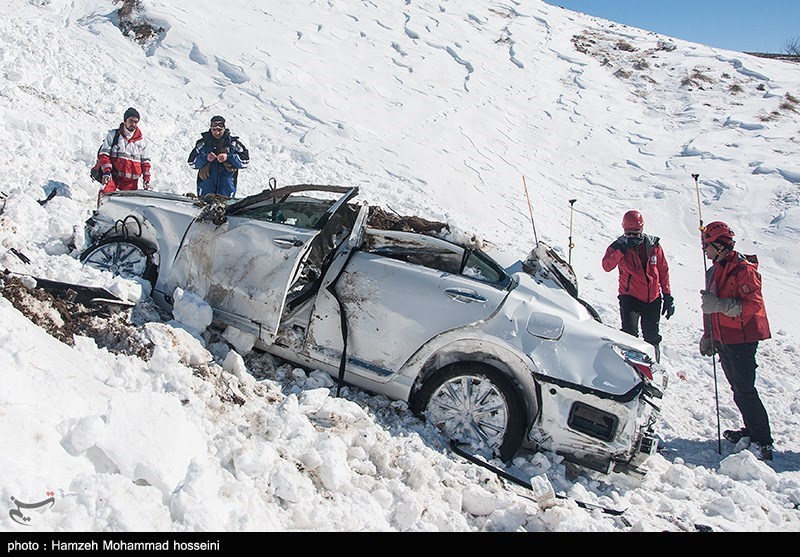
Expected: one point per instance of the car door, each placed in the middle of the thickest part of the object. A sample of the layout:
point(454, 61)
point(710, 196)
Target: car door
point(242, 268)
point(394, 301)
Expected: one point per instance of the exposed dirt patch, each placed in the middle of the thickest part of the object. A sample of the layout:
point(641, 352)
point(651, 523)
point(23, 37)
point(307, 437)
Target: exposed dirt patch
point(132, 22)
point(380, 219)
point(63, 320)
point(785, 57)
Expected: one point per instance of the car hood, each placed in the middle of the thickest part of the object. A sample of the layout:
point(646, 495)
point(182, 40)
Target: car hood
point(162, 200)
point(565, 344)
point(547, 295)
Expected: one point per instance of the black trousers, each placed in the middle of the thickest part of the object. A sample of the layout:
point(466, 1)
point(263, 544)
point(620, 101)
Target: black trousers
point(739, 364)
point(632, 310)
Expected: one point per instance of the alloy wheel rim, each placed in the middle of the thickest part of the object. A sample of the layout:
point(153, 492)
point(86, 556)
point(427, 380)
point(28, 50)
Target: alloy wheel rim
point(119, 258)
point(470, 410)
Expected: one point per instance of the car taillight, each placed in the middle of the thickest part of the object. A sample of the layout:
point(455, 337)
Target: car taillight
point(644, 369)
point(640, 361)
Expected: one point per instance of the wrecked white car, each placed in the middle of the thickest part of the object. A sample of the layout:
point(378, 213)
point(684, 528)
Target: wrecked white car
point(500, 356)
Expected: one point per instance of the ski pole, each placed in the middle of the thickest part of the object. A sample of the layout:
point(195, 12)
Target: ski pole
point(530, 210)
point(706, 318)
point(571, 245)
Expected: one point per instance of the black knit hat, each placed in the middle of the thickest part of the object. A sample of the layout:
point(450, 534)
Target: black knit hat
point(131, 112)
point(216, 119)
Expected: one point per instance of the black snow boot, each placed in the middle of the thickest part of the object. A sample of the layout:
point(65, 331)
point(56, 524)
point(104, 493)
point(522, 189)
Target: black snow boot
point(762, 451)
point(735, 435)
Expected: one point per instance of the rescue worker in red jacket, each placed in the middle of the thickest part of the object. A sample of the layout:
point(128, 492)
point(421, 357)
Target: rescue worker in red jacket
point(735, 319)
point(643, 280)
point(125, 160)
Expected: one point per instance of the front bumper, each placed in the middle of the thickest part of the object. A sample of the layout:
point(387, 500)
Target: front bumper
point(596, 432)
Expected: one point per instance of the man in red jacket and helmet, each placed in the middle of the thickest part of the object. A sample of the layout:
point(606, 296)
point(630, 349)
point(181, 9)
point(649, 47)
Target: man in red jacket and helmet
point(735, 320)
point(643, 278)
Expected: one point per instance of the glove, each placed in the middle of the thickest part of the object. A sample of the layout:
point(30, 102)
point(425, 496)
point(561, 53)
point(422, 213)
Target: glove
point(669, 306)
point(620, 244)
point(732, 307)
point(707, 346)
point(106, 178)
point(146, 185)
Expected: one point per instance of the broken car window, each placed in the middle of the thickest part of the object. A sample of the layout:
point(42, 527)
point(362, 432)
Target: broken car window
point(435, 254)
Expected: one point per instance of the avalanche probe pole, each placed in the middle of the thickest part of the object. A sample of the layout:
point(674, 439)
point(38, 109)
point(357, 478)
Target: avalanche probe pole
point(707, 318)
point(530, 210)
point(571, 245)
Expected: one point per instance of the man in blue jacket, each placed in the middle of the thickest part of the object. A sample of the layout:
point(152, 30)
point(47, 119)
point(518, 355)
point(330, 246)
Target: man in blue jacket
point(218, 156)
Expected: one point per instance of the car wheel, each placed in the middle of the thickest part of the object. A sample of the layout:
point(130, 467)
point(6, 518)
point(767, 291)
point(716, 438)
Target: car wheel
point(126, 257)
point(476, 405)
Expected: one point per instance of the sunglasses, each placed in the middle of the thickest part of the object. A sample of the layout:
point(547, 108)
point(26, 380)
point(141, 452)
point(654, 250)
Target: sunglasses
point(217, 127)
point(633, 233)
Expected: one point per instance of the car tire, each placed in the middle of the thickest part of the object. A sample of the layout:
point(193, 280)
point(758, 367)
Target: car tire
point(125, 257)
point(475, 405)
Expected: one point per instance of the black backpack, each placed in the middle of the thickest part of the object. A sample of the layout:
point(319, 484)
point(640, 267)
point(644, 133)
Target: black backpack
point(96, 172)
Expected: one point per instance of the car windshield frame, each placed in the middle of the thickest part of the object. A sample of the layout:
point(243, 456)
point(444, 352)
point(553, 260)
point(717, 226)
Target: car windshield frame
point(296, 210)
point(281, 195)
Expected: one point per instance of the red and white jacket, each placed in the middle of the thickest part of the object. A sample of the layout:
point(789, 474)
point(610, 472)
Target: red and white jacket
point(737, 277)
point(643, 271)
point(127, 161)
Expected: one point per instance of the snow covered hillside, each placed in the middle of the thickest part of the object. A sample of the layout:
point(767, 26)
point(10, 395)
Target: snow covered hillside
point(443, 109)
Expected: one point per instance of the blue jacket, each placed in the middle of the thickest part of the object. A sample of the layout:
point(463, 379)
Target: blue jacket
point(217, 177)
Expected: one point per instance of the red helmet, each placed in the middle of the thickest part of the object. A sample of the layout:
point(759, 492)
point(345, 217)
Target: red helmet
point(632, 220)
point(719, 232)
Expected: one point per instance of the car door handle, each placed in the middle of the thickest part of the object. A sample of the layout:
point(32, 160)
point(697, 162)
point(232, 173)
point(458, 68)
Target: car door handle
point(465, 296)
point(287, 242)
